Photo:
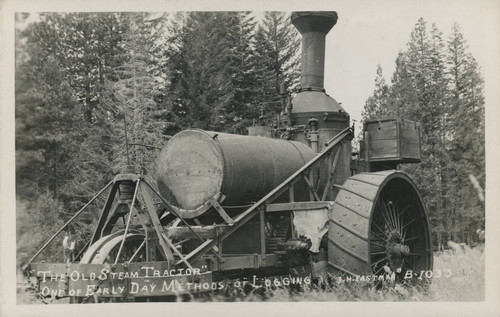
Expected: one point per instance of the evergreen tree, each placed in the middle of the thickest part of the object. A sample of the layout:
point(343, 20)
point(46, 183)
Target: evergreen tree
point(62, 141)
point(420, 78)
point(85, 45)
point(135, 96)
point(277, 49)
point(465, 134)
point(442, 89)
point(222, 71)
point(377, 104)
point(212, 70)
point(241, 66)
point(199, 90)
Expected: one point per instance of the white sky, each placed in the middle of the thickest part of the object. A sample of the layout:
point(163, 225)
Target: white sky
point(372, 32)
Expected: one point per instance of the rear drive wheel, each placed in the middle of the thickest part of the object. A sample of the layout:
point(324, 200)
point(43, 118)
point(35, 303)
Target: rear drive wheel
point(379, 225)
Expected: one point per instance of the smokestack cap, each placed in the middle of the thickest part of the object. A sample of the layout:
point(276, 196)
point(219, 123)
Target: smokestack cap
point(317, 21)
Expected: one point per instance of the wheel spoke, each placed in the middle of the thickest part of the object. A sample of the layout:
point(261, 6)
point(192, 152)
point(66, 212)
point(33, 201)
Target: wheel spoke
point(412, 238)
point(383, 213)
point(379, 270)
point(389, 208)
point(404, 209)
point(381, 231)
point(405, 265)
point(398, 219)
point(409, 223)
point(398, 223)
point(379, 245)
point(376, 235)
point(376, 263)
point(406, 225)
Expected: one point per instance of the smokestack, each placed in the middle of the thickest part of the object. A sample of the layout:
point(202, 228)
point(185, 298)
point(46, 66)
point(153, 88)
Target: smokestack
point(313, 26)
point(319, 116)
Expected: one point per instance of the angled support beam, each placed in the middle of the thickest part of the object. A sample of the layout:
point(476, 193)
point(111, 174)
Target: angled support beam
point(221, 211)
point(156, 223)
point(331, 170)
point(104, 213)
point(68, 222)
point(312, 191)
point(181, 219)
point(172, 246)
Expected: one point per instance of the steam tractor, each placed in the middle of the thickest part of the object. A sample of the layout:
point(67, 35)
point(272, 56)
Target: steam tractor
point(288, 199)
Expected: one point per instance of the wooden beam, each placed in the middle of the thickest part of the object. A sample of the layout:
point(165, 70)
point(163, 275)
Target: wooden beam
point(172, 246)
point(206, 232)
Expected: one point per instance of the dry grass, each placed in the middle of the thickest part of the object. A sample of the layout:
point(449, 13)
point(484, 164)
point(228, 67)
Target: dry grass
point(466, 283)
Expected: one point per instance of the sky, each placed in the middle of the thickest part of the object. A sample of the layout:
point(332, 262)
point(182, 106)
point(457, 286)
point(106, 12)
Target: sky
point(373, 32)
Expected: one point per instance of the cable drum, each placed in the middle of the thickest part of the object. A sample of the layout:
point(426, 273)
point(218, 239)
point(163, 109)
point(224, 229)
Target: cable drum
point(196, 166)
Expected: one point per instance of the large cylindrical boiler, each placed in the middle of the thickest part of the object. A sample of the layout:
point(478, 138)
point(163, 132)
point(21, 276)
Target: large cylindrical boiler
point(196, 166)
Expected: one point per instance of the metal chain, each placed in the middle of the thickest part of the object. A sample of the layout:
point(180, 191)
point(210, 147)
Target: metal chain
point(32, 289)
point(96, 287)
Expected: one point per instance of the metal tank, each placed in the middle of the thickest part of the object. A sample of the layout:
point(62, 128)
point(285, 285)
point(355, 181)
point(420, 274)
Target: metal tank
point(198, 166)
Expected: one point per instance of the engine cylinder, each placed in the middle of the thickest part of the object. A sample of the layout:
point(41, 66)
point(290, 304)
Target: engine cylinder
point(196, 166)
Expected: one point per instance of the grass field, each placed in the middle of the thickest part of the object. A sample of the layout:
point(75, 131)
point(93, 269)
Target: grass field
point(457, 277)
point(467, 281)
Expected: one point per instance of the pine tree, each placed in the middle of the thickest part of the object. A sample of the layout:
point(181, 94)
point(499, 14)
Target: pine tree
point(241, 66)
point(135, 97)
point(465, 134)
point(85, 45)
point(277, 48)
point(199, 89)
point(62, 137)
point(442, 89)
point(211, 65)
point(417, 93)
point(377, 104)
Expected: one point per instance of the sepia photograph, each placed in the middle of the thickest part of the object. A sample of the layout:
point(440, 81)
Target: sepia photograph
point(244, 158)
